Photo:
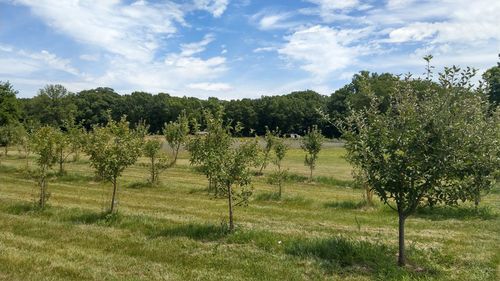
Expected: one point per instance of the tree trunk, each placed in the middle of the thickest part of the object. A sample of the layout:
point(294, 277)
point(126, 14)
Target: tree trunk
point(230, 202)
point(401, 257)
point(61, 162)
point(264, 164)
point(42, 193)
point(41, 204)
point(280, 179)
point(6, 150)
point(210, 185)
point(369, 195)
point(477, 199)
point(153, 173)
point(311, 174)
point(176, 154)
point(113, 196)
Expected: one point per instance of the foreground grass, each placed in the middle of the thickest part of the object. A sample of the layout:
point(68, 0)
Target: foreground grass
point(317, 231)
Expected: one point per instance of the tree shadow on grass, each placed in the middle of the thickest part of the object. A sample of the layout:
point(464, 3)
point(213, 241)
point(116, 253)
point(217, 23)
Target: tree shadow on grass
point(347, 256)
point(72, 177)
point(90, 217)
point(348, 205)
point(198, 190)
point(195, 231)
point(21, 208)
point(290, 200)
point(461, 213)
point(141, 185)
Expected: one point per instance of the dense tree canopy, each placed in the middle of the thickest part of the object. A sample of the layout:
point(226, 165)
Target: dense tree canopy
point(492, 79)
point(292, 113)
point(430, 146)
point(9, 107)
point(53, 106)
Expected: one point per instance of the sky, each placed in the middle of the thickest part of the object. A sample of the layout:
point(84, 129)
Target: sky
point(232, 49)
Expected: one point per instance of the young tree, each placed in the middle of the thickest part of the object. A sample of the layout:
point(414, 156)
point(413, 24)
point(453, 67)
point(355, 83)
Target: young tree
point(76, 136)
point(413, 153)
point(44, 144)
point(226, 164)
point(311, 144)
point(280, 148)
point(10, 134)
point(26, 140)
point(112, 148)
point(62, 148)
point(235, 173)
point(157, 159)
point(269, 139)
point(361, 180)
point(176, 133)
point(207, 150)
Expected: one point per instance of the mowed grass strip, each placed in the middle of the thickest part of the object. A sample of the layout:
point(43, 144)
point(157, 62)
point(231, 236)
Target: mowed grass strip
point(317, 231)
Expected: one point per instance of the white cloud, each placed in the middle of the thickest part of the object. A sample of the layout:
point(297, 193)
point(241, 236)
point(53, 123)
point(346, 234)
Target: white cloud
point(413, 32)
point(131, 30)
point(397, 4)
point(321, 50)
point(215, 7)
point(266, 20)
point(210, 86)
point(90, 57)
point(439, 21)
point(329, 5)
point(196, 47)
point(264, 49)
point(335, 10)
point(21, 61)
point(169, 75)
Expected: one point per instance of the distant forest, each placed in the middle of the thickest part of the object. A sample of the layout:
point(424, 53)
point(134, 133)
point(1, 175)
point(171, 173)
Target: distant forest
point(291, 113)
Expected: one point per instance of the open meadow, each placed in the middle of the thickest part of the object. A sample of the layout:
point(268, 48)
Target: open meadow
point(317, 231)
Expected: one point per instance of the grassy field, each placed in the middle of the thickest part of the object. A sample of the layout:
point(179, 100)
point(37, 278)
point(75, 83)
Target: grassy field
point(318, 231)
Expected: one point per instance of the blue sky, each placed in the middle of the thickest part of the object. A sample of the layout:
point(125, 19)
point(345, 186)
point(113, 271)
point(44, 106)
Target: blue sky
point(236, 48)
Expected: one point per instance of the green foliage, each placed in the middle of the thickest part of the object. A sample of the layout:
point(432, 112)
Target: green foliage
point(176, 133)
point(63, 143)
point(207, 148)
point(491, 78)
point(226, 165)
point(158, 161)
point(311, 144)
point(76, 134)
point(111, 149)
point(93, 106)
point(45, 145)
point(269, 139)
point(235, 174)
point(280, 175)
point(54, 105)
point(10, 134)
point(417, 151)
point(9, 107)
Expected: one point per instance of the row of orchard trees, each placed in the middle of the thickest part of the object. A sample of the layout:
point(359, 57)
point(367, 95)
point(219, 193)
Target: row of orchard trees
point(113, 147)
point(428, 143)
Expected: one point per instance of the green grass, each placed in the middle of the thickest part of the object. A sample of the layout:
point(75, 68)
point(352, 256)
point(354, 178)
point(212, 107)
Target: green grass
point(175, 231)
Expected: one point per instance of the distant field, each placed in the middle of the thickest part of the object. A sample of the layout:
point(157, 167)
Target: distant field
point(318, 231)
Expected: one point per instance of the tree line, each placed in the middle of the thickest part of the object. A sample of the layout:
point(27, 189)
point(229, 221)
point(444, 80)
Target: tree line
point(292, 113)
